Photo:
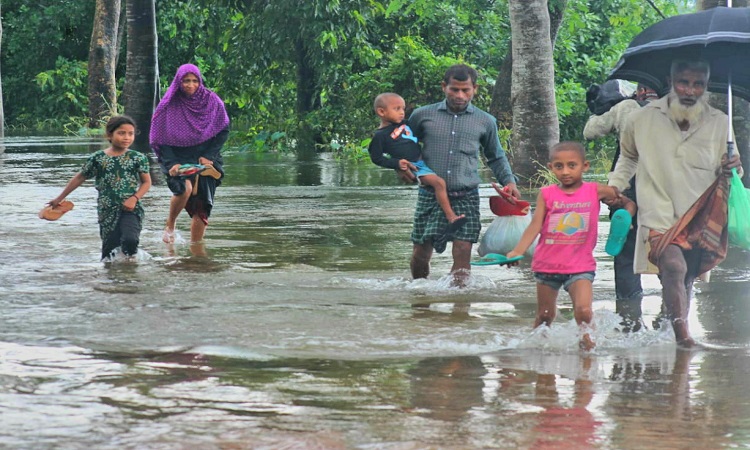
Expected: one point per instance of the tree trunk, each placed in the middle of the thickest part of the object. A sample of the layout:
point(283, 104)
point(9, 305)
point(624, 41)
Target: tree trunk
point(102, 59)
point(141, 76)
point(501, 106)
point(308, 99)
point(121, 27)
point(2, 109)
point(741, 108)
point(535, 123)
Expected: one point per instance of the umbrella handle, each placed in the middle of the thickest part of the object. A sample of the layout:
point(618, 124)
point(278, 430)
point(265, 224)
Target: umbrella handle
point(730, 130)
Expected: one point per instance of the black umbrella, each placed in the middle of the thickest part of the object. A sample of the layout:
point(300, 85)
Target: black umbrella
point(719, 35)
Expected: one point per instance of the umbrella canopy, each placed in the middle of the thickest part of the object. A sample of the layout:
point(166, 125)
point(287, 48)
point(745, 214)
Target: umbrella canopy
point(719, 35)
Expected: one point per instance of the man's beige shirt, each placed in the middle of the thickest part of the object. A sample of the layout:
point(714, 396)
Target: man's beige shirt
point(614, 119)
point(672, 168)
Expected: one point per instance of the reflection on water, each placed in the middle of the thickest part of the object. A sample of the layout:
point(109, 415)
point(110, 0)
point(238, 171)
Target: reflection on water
point(291, 327)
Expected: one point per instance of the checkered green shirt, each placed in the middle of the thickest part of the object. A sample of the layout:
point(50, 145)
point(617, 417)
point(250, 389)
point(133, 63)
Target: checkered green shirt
point(451, 144)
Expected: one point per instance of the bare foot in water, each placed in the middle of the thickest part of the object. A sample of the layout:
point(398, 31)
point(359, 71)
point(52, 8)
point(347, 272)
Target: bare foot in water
point(586, 343)
point(681, 334)
point(686, 343)
point(168, 236)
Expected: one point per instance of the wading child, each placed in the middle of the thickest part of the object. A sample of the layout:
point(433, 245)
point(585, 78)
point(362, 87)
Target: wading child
point(566, 220)
point(122, 178)
point(396, 139)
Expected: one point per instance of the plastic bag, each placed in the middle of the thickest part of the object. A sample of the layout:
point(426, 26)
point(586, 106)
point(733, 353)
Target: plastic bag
point(503, 235)
point(739, 213)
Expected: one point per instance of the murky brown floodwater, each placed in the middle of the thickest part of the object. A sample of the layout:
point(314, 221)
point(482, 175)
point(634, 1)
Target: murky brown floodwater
point(291, 328)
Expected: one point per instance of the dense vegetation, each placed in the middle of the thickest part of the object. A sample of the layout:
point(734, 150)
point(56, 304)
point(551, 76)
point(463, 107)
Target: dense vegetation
point(286, 67)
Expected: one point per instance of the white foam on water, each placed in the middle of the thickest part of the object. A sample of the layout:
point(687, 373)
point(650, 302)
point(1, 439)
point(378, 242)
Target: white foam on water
point(229, 352)
point(118, 257)
point(441, 285)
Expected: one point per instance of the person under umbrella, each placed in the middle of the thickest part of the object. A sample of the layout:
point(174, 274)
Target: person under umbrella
point(676, 147)
point(628, 288)
point(719, 36)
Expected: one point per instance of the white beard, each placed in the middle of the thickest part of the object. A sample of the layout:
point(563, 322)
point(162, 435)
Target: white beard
point(681, 113)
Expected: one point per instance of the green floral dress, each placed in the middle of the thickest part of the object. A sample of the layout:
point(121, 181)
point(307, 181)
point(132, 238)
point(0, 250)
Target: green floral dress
point(116, 178)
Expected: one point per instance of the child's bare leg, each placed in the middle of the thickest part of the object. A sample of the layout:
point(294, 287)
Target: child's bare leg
point(581, 293)
point(176, 205)
point(546, 304)
point(441, 194)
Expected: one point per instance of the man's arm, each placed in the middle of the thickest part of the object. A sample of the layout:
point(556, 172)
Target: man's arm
point(599, 126)
point(497, 161)
point(627, 163)
point(415, 123)
point(602, 125)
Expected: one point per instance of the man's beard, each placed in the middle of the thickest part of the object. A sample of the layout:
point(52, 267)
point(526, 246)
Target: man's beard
point(682, 113)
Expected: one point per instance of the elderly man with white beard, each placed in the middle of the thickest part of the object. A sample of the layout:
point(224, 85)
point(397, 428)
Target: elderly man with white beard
point(677, 147)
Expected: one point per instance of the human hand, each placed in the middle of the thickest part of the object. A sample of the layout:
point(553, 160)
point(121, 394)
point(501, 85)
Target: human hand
point(205, 161)
point(513, 254)
point(173, 170)
point(404, 164)
point(512, 189)
point(612, 196)
point(407, 176)
point(130, 203)
point(632, 208)
point(509, 192)
point(727, 164)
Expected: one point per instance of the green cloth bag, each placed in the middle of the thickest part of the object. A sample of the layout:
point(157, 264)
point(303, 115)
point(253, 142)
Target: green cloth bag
point(739, 213)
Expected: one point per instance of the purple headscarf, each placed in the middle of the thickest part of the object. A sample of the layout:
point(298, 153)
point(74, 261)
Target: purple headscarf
point(184, 121)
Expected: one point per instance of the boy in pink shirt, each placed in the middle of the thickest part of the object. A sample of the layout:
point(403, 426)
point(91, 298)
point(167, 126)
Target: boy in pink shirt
point(566, 220)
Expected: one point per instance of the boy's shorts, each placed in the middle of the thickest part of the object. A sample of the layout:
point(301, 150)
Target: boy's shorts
point(557, 280)
point(422, 169)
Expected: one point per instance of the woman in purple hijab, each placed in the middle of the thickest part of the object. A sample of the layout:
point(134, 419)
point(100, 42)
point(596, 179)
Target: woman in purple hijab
point(189, 126)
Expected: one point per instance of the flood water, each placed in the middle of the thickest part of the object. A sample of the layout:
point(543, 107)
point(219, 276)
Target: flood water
point(291, 327)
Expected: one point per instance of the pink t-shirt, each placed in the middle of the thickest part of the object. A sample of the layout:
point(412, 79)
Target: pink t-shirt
point(568, 236)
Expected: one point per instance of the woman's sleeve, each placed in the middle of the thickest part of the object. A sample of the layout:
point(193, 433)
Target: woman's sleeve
point(167, 156)
point(214, 145)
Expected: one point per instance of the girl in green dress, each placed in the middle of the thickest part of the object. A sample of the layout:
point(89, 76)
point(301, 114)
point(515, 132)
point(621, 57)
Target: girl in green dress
point(122, 178)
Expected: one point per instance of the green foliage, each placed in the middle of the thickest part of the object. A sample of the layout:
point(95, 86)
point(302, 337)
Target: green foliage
point(411, 69)
point(36, 37)
point(356, 150)
point(600, 159)
point(265, 141)
point(191, 31)
point(64, 88)
point(544, 176)
point(591, 39)
point(252, 55)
